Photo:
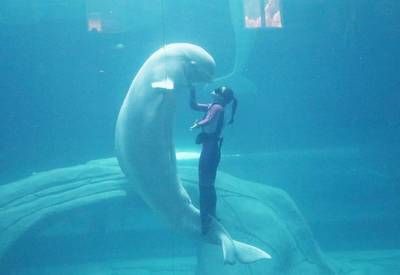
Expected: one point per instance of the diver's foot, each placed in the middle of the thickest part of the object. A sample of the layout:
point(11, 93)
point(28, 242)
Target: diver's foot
point(206, 224)
point(205, 230)
point(205, 227)
point(214, 217)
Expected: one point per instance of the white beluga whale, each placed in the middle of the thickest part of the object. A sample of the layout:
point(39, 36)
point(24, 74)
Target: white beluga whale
point(145, 147)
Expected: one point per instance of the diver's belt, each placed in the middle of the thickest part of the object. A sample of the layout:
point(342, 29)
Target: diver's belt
point(206, 137)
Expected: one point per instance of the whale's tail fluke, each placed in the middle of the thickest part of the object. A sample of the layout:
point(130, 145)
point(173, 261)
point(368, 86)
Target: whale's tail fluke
point(228, 250)
point(234, 251)
point(246, 253)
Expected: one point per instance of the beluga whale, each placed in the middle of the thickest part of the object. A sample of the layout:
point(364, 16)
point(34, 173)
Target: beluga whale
point(145, 147)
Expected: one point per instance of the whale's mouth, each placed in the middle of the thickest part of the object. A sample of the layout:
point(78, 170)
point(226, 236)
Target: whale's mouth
point(206, 75)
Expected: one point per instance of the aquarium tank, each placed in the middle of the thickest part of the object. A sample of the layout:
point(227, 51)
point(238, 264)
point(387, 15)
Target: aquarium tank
point(100, 171)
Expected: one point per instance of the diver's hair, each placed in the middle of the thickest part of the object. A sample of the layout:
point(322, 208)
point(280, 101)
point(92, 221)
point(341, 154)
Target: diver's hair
point(227, 94)
point(233, 112)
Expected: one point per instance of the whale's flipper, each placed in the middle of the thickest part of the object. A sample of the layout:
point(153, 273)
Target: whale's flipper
point(246, 253)
point(166, 84)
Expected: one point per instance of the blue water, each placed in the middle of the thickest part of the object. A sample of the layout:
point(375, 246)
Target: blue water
point(323, 124)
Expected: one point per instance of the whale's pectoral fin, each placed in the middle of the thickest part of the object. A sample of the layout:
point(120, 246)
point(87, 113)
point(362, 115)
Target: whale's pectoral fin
point(165, 84)
point(246, 253)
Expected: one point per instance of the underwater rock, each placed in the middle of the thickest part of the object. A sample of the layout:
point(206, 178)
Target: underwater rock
point(254, 213)
point(265, 217)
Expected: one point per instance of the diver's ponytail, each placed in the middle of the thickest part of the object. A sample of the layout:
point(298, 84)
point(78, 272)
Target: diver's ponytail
point(233, 112)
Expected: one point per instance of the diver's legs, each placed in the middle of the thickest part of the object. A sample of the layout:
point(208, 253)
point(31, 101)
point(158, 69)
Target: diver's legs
point(208, 164)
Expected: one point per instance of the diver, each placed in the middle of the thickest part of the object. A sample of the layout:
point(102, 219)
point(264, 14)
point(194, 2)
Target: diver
point(211, 139)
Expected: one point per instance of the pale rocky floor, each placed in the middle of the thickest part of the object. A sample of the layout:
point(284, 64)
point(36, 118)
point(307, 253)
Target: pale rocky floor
point(346, 263)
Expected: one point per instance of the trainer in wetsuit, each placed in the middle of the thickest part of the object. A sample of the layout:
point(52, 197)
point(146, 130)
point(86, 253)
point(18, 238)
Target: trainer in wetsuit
point(211, 139)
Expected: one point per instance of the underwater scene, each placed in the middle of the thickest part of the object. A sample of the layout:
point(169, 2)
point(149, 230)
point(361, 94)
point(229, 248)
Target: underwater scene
point(178, 137)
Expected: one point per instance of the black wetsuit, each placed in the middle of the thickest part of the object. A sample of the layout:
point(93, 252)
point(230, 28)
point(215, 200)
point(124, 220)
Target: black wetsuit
point(209, 159)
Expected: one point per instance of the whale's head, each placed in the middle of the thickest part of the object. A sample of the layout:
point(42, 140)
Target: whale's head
point(188, 63)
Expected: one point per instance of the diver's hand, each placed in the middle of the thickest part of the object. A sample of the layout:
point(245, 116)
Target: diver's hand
point(194, 126)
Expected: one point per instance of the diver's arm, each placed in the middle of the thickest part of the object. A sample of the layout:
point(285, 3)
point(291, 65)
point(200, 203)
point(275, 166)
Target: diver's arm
point(212, 114)
point(193, 101)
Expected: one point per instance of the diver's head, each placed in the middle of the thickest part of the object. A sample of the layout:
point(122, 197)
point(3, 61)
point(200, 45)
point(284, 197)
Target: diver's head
point(224, 95)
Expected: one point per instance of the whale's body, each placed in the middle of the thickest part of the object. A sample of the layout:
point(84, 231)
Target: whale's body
point(145, 148)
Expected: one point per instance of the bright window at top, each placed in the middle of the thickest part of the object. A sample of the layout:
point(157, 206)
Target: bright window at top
point(262, 13)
